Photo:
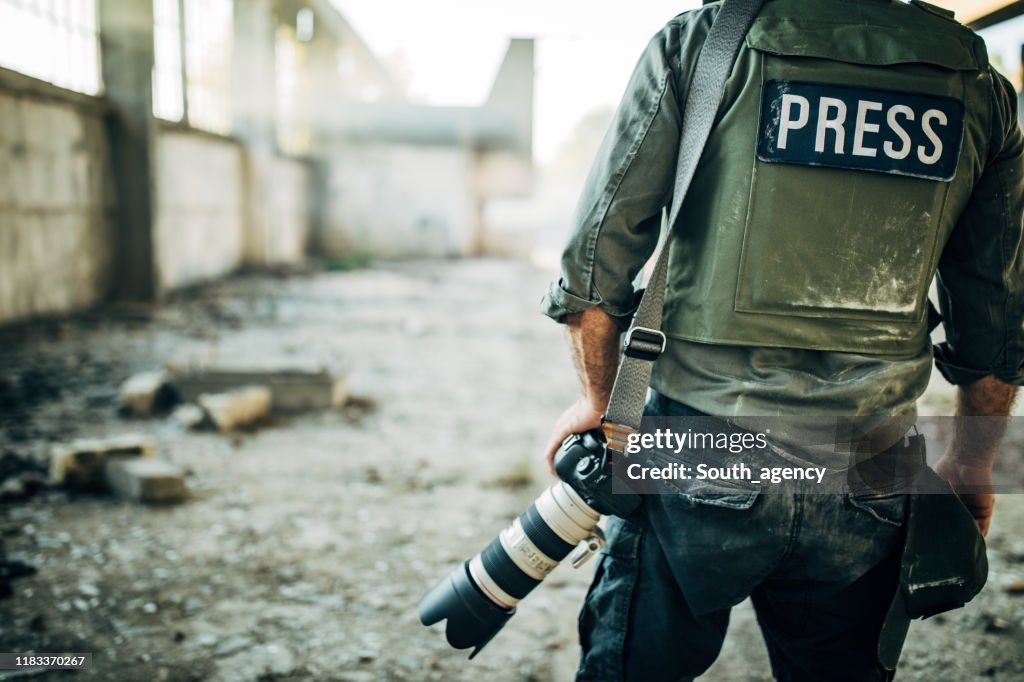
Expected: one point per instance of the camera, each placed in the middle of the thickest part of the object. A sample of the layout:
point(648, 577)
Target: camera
point(480, 596)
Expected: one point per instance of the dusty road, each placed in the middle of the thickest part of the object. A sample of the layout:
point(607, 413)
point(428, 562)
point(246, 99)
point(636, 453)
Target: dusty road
point(308, 542)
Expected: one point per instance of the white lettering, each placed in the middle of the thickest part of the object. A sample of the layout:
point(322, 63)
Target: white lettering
point(863, 107)
point(890, 117)
point(632, 447)
point(932, 137)
point(788, 122)
point(835, 124)
point(780, 474)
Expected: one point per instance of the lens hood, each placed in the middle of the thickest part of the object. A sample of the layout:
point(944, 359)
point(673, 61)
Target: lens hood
point(473, 619)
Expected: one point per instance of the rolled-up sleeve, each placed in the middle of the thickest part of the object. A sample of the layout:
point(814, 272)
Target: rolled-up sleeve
point(618, 218)
point(981, 271)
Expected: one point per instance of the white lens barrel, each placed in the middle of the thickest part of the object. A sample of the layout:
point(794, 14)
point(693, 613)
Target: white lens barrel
point(527, 556)
point(566, 513)
point(513, 564)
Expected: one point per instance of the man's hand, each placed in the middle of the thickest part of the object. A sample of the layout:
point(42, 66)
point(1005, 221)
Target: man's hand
point(595, 349)
point(973, 485)
point(981, 412)
point(581, 416)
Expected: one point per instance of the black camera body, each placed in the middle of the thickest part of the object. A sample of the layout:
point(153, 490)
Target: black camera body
point(585, 463)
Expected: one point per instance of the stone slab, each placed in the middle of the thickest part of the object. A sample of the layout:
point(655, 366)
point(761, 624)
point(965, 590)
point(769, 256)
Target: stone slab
point(80, 463)
point(148, 480)
point(293, 390)
point(147, 393)
point(236, 409)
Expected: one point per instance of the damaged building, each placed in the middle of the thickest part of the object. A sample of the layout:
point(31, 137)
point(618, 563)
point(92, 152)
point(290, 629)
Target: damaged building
point(271, 362)
point(169, 143)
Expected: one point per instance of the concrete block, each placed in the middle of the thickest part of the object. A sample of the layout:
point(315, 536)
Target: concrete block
point(294, 388)
point(189, 415)
point(150, 480)
point(147, 393)
point(80, 464)
point(237, 409)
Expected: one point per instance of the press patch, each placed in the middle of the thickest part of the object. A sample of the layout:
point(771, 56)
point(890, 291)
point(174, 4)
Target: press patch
point(838, 126)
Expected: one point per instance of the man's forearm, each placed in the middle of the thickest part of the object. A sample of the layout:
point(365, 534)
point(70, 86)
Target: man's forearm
point(595, 348)
point(985, 404)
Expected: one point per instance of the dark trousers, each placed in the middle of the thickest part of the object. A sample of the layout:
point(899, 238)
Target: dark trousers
point(821, 571)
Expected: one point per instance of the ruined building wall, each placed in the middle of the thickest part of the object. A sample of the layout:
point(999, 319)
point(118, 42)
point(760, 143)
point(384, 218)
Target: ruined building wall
point(199, 233)
point(397, 200)
point(291, 192)
point(201, 227)
point(56, 200)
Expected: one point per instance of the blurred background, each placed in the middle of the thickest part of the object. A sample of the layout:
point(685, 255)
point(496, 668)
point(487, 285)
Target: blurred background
point(271, 361)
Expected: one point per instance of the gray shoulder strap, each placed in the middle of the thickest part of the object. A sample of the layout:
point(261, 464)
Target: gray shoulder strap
point(645, 341)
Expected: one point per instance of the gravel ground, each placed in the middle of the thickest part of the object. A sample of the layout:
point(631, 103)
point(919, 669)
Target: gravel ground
point(307, 543)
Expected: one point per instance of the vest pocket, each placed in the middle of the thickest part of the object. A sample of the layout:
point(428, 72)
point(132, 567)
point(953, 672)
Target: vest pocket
point(838, 243)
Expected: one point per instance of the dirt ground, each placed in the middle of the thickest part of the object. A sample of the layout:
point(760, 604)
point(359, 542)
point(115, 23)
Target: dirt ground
point(307, 543)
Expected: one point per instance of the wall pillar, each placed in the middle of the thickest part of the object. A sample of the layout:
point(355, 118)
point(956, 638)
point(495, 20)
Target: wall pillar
point(253, 103)
point(126, 39)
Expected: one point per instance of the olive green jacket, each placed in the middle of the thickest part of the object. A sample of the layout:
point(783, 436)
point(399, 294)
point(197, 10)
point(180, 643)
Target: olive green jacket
point(827, 245)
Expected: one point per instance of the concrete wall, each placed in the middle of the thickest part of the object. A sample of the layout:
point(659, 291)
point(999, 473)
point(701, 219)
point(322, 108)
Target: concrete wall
point(199, 232)
point(201, 200)
point(57, 204)
point(398, 201)
point(290, 199)
point(56, 201)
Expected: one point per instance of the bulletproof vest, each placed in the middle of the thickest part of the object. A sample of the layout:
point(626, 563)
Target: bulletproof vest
point(846, 146)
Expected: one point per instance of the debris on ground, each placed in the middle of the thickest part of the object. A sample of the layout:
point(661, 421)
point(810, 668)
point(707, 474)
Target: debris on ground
point(518, 476)
point(358, 407)
point(124, 465)
point(146, 394)
point(995, 624)
point(21, 487)
point(189, 416)
point(11, 570)
point(296, 386)
point(81, 464)
point(20, 477)
point(238, 409)
point(148, 480)
point(304, 548)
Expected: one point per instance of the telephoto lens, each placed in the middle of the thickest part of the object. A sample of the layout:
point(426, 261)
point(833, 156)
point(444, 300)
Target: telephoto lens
point(480, 596)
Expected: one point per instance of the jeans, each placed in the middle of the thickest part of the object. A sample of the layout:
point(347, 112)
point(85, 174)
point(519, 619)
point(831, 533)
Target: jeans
point(821, 571)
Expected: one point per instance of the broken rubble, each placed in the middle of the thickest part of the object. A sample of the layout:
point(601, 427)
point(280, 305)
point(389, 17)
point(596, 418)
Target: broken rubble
point(237, 409)
point(21, 487)
point(149, 480)
point(295, 387)
point(189, 416)
point(81, 463)
point(146, 394)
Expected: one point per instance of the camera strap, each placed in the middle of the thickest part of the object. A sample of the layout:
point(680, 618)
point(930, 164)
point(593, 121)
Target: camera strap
point(644, 341)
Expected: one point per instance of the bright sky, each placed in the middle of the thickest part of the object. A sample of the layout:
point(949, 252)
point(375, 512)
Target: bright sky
point(585, 49)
